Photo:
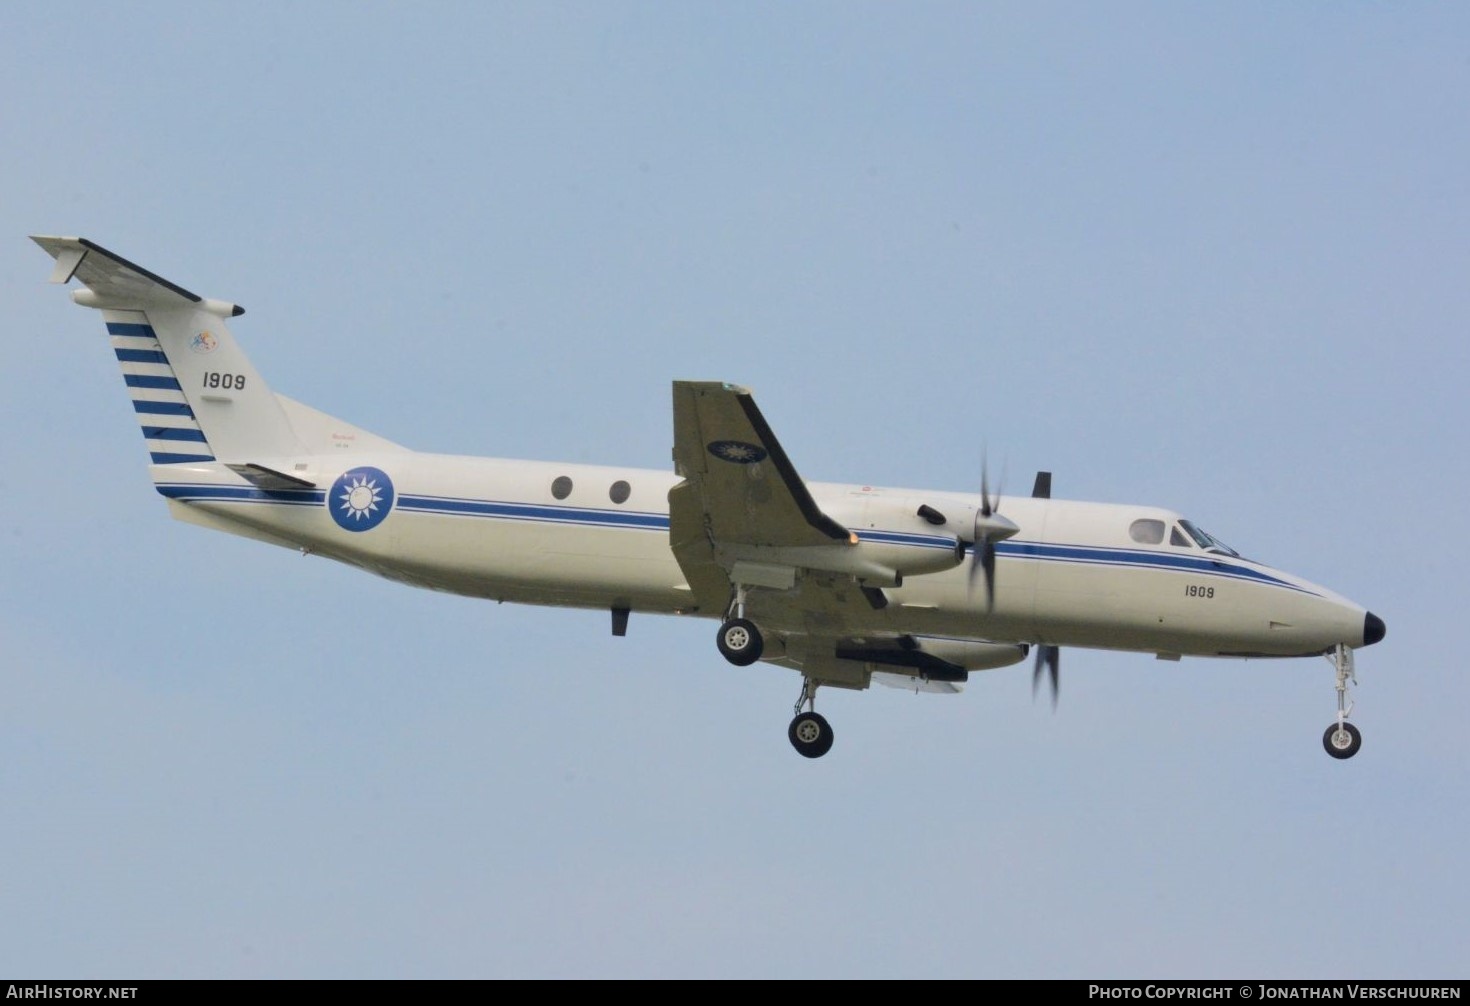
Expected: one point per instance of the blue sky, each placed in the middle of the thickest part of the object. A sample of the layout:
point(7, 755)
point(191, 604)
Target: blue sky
point(1210, 257)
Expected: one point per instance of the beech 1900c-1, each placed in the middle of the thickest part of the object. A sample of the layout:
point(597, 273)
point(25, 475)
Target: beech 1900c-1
point(845, 584)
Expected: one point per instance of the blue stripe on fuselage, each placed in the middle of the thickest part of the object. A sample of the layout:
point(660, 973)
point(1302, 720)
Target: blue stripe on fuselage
point(1137, 558)
point(632, 520)
point(643, 521)
point(906, 538)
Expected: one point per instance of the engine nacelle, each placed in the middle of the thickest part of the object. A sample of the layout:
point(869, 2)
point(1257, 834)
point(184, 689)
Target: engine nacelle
point(973, 655)
point(910, 554)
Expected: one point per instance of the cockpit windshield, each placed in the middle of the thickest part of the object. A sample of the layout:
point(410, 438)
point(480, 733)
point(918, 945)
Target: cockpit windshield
point(1203, 539)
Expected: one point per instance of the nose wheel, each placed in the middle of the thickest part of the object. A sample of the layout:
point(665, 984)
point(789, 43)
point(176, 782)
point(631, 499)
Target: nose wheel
point(810, 733)
point(1342, 739)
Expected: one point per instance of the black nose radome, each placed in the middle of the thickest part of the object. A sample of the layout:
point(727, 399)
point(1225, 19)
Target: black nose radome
point(1373, 629)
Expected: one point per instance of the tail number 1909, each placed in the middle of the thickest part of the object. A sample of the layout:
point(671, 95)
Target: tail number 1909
point(230, 382)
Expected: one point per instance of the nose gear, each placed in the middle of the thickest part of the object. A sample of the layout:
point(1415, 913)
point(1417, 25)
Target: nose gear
point(1342, 739)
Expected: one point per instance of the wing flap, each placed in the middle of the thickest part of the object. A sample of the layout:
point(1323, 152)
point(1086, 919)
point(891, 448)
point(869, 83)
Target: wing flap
point(695, 553)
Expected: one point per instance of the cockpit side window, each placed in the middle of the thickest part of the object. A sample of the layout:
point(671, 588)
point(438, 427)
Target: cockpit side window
point(1204, 540)
point(1146, 531)
point(1176, 537)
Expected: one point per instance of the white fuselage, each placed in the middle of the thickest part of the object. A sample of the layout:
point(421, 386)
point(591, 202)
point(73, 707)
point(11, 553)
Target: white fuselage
point(495, 529)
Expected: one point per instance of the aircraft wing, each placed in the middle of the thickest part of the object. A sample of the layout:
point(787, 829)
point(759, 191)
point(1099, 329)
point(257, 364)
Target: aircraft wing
point(750, 491)
point(739, 494)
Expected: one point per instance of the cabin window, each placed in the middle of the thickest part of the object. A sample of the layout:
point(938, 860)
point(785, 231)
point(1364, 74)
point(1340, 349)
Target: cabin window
point(619, 491)
point(1147, 531)
point(561, 487)
point(1176, 537)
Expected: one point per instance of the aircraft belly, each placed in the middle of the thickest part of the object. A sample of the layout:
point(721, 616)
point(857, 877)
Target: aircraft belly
point(523, 561)
point(286, 524)
point(218, 518)
point(545, 563)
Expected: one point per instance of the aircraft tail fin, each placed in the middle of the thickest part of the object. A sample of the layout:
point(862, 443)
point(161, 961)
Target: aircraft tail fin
point(196, 395)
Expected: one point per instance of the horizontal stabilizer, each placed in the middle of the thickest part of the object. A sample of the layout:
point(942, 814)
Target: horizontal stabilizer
point(268, 478)
point(117, 283)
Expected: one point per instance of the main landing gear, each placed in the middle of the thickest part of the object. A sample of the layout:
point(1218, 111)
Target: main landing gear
point(810, 732)
point(1342, 739)
point(739, 640)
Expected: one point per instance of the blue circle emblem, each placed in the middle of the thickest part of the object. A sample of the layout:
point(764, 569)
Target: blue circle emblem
point(737, 451)
point(360, 499)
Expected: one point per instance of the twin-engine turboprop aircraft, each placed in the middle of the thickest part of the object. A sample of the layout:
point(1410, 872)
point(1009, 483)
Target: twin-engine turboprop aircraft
point(846, 584)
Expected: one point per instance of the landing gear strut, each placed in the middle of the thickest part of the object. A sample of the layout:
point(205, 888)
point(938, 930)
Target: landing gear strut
point(1342, 739)
point(739, 641)
point(809, 732)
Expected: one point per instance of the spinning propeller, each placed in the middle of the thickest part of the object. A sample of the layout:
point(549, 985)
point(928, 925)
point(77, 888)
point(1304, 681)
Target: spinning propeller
point(1049, 657)
point(990, 527)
